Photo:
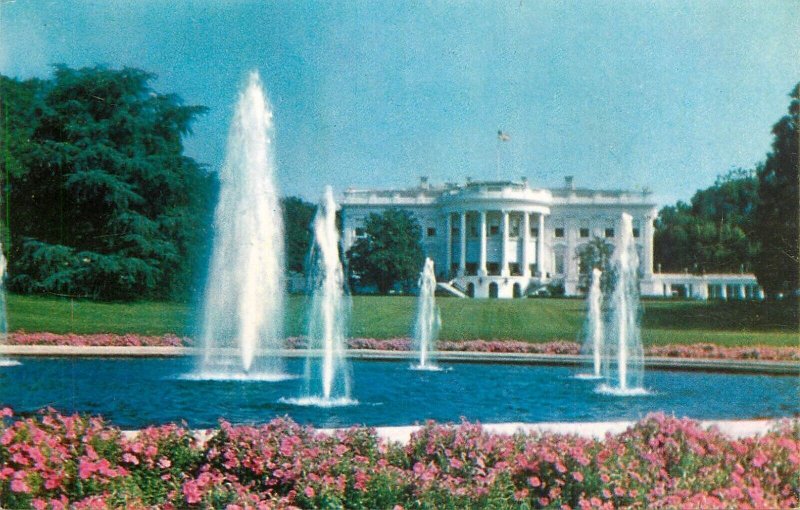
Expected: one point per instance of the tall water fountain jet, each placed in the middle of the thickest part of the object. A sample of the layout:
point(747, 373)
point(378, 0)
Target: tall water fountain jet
point(593, 342)
point(624, 359)
point(4, 362)
point(243, 308)
point(428, 321)
point(327, 379)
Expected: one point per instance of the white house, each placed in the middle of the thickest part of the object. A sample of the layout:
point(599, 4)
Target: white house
point(506, 239)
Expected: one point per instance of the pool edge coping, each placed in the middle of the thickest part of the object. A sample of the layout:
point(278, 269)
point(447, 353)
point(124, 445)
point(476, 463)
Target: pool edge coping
point(663, 363)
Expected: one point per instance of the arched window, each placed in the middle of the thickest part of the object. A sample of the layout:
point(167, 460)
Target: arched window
point(493, 290)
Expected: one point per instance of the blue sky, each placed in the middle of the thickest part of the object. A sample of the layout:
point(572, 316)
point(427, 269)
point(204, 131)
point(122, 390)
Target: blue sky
point(620, 94)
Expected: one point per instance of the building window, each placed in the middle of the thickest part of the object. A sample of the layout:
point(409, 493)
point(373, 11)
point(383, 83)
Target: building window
point(455, 231)
point(471, 269)
point(513, 268)
point(584, 232)
point(610, 232)
point(431, 232)
point(513, 226)
point(360, 232)
point(534, 232)
point(559, 263)
point(494, 230)
point(636, 232)
point(493, 268)
point(559, 232)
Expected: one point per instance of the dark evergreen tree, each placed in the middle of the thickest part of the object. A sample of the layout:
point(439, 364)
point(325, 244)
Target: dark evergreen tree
point(297, 217)
point(105, 204)
point(776, 217)
point(390, 251)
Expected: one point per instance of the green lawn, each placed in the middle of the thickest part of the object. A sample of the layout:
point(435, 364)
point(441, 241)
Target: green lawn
point(535, 320)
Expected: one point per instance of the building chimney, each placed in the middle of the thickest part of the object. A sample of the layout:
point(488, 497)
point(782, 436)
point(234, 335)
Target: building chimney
point(423, 182)
point(569, 182)
point(524, 181)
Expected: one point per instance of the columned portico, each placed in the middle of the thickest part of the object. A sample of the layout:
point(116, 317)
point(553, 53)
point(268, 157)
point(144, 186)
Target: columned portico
point(540, 258)
point(448, 227)
point(462, 258)
point(482, 256)
point(504, 246)
point(526, 238)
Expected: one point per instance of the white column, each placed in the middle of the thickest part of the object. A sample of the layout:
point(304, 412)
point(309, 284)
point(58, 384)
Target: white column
point(540, 248)
point(569, 256)
point(482, 260)
point(740, 292)
point(648, 233)
point(526, 237)
point(448, 226)
point(504, 243)
point(723, 291)
point(462, 257)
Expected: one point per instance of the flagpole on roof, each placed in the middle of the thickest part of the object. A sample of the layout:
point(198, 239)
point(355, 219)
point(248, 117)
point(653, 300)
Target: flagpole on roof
point(502, 136)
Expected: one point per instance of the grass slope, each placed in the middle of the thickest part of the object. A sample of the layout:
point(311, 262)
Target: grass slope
point(535, 320)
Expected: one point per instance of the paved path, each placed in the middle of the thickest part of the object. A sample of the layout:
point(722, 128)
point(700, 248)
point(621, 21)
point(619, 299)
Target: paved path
point(598, 430)
point(735, 429)
point(665, 363)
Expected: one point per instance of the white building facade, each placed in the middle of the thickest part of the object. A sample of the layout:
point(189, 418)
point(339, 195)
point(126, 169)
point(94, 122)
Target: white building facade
point(506, 239)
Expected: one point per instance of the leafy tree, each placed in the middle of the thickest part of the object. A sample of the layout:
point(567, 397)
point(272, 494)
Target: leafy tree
point(19, 102)
point(596, 254)
point(105, 204)
point(390, 252)
point(713, 233)
point(297, 217)
point(776, 216)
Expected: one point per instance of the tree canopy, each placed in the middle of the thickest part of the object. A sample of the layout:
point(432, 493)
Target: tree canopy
point(596, 254)
point(776, 214)
point(102, 201)
point(297, 217)
point(389, 252)
point(713, 233)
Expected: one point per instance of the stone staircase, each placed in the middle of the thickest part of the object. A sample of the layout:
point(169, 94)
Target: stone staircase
point(451, 288)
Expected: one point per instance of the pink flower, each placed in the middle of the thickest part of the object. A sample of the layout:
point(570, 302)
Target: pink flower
point(85, 469)
point(760, 459)
point(309, 492)
point(578, 476)
point(164, 463)
point(19, 485)
point(191, 492)
point(534, 481)
point(130, 459)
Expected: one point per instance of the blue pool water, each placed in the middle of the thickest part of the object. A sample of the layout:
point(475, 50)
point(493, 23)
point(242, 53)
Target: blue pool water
point(136, 392)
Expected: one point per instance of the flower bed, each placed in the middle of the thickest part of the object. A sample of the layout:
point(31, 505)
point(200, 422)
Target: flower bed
point(98, 340)
point(56, 461)
point(404, 344)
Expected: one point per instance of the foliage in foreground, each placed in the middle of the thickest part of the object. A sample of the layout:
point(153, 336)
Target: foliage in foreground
point(699, 350)
point(105, 204)
point(54, 461)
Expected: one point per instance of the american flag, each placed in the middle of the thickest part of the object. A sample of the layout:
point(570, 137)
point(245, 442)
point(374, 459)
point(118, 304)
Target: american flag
point(503, 136)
